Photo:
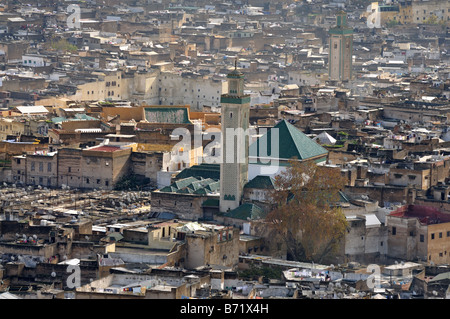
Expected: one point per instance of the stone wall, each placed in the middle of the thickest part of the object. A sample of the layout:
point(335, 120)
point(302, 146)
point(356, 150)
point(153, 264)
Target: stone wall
point(383, 194)
point(186, 206)
point(212, 249)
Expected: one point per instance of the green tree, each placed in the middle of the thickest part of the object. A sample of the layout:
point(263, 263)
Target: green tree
point(392, 23)
point(306, 215)
point(63, 45)
point(432, 20)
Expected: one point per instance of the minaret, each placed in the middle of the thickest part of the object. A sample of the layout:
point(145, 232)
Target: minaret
point(341, 50)
point(235, 111)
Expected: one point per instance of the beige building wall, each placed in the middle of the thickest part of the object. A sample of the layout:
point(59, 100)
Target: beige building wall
point(218, 248)
point(42, 170)
point(103, 169)
point(10, 127)
point(404, 238)
point(69, 167)
point(423, 10)
point(404, 177)
point(197, 92)
point(109, 87)
point(439, 243)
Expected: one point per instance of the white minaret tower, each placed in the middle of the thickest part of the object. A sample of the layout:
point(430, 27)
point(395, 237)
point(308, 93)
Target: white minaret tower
point(235, 106)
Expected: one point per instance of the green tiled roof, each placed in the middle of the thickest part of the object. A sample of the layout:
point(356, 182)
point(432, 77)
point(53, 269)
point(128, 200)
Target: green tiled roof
point(173, 115)
point(210, 188)
point(203, 170)
point(292, 143)
point(261, 182)
point(78, 117)
point(246, 211)
point(211, 202)
point(440, 277)
point(192, 185)
point(184, 182)
point(343, 198)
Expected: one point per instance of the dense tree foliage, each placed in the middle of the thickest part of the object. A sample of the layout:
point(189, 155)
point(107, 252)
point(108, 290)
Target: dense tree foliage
point(306, 214)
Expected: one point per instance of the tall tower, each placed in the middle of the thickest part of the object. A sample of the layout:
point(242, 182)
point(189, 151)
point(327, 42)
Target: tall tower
point(341, 50)
point(235, 106)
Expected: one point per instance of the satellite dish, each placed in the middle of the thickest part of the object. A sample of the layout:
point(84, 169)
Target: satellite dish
point(53, 274)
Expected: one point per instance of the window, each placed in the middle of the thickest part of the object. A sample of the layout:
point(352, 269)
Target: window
point(432, 236)
point(70, 169)
point(440, 235)
point(87, 180)
point(394, 230)
point(41, 167)
point(49, 167)
point(422, 238)
point(448, 233)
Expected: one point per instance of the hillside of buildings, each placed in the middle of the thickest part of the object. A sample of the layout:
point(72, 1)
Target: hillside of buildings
point(108, 116)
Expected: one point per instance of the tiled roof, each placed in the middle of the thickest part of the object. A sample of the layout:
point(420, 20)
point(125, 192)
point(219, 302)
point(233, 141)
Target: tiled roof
point(203, 170)
point(247, 211)
point(261, 182)
point(192, 185)
point(427, 215)
point(292, 143)
point(173, 115)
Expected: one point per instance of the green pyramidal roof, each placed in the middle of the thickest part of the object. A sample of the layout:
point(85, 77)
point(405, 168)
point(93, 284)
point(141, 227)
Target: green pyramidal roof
point(261, 182)
point(291, 143)
point(247, 211)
